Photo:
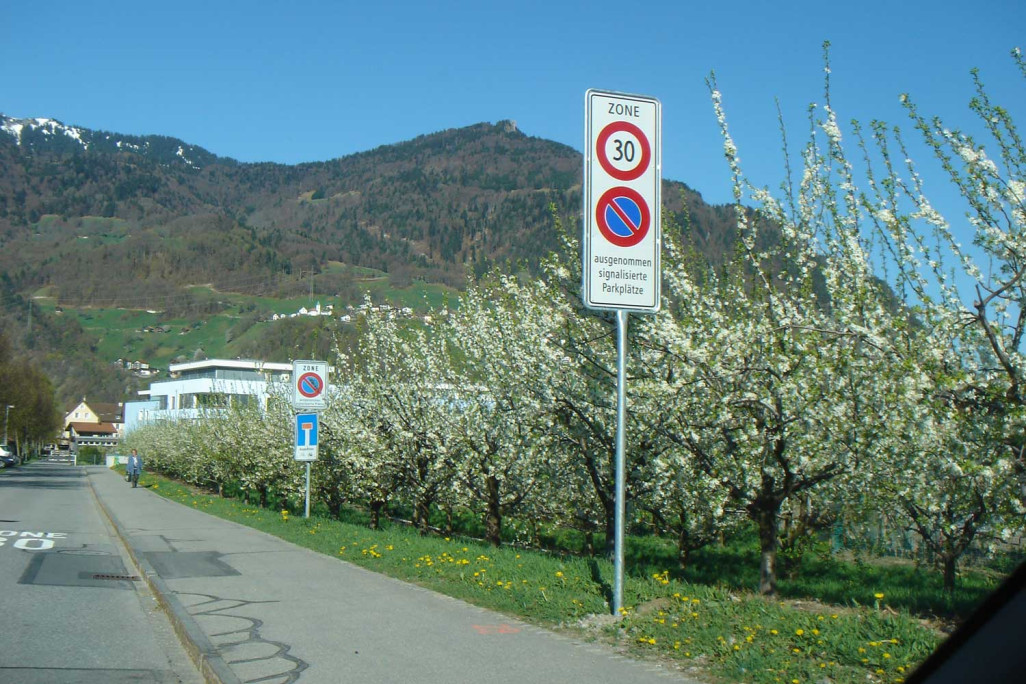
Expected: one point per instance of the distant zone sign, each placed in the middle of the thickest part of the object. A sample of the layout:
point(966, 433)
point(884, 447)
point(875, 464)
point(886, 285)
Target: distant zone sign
point(309, 384)
point(622, 176)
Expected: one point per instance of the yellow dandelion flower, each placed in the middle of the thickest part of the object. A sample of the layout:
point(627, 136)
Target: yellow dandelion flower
point(799, 632)
point(878, 595)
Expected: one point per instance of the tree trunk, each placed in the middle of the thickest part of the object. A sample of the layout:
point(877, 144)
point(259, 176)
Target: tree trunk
point(375, 514)
point(493, 516)
point(610, 550)
point(683, 553)
point(420, 516)
point(950, 567)
point(683, 545)
point(766, 519)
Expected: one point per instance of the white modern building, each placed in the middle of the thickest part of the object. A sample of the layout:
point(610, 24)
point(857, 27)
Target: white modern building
point(212, 385)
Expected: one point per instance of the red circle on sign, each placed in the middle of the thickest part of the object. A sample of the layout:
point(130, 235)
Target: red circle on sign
point(623, 217)
point(310, 385)
point(607, 165)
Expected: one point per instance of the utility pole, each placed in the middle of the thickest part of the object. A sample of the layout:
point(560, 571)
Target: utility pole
point(311, 273)
point(7, 413)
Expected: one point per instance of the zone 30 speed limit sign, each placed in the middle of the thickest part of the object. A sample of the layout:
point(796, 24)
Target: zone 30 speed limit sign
point(622, 176)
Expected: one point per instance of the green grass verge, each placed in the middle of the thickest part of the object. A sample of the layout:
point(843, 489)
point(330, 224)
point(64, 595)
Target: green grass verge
point(717, 633)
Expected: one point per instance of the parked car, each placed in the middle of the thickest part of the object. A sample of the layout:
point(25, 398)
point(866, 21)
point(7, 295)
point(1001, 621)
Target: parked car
point(7, 459)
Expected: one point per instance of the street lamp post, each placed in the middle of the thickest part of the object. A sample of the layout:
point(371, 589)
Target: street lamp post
point(7, 413)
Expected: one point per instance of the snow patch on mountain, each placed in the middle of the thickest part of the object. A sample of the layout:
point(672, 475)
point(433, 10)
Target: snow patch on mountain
point(16, 127)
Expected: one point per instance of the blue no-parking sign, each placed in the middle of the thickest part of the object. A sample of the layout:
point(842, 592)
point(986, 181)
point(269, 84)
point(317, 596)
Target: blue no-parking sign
point(306, 436)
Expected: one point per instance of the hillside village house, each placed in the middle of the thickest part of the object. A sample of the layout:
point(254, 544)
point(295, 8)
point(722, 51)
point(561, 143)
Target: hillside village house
point(210, 385)
point(93, 424)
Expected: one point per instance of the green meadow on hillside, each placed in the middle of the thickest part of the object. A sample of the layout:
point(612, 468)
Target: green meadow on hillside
point(227, 325)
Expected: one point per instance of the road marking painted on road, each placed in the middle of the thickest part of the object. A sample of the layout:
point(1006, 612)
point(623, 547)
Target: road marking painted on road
point(30, 541)
point(496, 629)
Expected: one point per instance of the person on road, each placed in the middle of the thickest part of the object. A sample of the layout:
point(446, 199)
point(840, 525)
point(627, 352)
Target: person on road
point(134, 468)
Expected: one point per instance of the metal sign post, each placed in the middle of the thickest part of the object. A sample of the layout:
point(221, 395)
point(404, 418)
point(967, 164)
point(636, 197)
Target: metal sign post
point(307, 427)
point(309, 392)
point(621, 242)
point(621, 439)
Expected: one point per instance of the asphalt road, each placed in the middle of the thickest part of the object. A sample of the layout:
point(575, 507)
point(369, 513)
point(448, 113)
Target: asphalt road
point(73, 607)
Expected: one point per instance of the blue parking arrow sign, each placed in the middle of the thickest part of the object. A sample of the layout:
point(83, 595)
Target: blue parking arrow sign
point(306, 436)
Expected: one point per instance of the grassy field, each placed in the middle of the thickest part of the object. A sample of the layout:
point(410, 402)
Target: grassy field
point(840, 620)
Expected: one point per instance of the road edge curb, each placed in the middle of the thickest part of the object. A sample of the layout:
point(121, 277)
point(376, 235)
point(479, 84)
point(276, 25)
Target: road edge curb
point(201, 650)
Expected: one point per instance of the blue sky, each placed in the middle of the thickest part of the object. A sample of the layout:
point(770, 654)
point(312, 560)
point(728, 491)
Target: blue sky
point(309, 81)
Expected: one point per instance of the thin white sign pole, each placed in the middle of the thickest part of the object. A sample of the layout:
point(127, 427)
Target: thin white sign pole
point(621, 429)
point(307, 515)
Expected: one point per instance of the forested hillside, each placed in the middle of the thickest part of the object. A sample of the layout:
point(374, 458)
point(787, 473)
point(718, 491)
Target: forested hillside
point(113, 221)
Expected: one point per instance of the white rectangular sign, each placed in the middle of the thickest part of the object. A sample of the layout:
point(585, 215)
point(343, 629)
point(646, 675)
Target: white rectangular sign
point(306, 436)
point(622, 177)
point(310, 385)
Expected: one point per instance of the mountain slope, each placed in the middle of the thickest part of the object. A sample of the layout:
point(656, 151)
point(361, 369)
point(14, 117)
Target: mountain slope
point(73, 202)
point(108, 220)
